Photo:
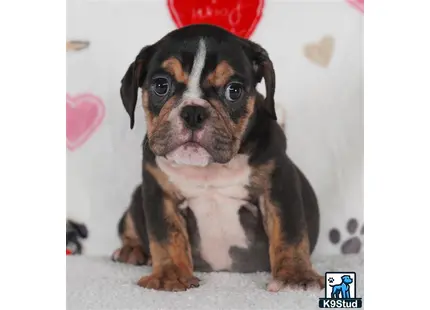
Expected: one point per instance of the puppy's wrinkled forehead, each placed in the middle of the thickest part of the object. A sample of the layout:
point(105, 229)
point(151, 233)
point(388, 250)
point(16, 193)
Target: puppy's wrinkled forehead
point(202, 62)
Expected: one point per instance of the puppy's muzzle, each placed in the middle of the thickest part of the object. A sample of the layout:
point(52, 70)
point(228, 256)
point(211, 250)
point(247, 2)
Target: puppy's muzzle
point(194, 116)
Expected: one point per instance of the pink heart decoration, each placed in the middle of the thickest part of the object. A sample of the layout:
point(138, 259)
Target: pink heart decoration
point(358, 4)
point(84, 113)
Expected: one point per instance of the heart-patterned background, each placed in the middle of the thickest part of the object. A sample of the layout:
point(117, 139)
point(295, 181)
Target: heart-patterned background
point(317, 51)
point(85, 112)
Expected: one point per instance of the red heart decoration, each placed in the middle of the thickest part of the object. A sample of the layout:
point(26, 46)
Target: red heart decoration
point(239, 17)
point(85, 112)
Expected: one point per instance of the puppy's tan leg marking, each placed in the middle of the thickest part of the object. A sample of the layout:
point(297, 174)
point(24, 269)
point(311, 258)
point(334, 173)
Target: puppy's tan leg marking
point(171, 258)
point(131, 251)
point(290, 263)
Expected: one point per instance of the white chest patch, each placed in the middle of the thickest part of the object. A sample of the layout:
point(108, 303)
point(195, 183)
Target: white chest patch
point(215, 194)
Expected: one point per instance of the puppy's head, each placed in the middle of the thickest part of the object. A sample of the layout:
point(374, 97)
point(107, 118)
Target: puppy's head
point(199, 93)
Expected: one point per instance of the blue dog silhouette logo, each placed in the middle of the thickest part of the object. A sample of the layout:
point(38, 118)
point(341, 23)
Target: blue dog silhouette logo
point(341, 290)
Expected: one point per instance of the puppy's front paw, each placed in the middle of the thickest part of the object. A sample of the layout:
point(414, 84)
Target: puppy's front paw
point(296, 278)
point(170, 278)
point(134, 255)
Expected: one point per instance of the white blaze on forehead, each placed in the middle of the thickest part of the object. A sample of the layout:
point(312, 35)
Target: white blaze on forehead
point(193, 89)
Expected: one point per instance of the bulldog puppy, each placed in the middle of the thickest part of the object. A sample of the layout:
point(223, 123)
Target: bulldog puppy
point(218, 191)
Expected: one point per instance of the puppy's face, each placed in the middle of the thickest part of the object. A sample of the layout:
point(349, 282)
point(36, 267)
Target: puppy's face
point(198, 92)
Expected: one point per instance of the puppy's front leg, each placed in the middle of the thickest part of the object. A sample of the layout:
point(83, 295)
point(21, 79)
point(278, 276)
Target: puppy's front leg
point(168, 238)
point(285, 224)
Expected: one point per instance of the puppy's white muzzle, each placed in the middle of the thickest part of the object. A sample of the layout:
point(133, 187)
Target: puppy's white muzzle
point(190, 154)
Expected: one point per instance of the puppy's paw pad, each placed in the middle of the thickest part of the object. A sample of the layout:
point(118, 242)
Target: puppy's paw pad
point(191, 282)
point(279, 286)
point(300, 281)
point(115, 255)
point(175, 285)
point(274, 286)
point(150, 282)
point(169, 280)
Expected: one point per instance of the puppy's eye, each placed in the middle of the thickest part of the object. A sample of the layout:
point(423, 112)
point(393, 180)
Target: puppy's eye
point(160, 86)
point(233, 91)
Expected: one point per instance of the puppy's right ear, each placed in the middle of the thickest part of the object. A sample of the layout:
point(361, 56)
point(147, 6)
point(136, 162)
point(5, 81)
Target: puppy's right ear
point(263, 68)
point(133, 79)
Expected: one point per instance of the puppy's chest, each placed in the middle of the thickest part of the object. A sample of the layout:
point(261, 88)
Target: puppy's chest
point(219, 183)
point(216, 195)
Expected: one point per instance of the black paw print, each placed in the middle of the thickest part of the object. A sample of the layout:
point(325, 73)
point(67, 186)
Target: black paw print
point(353, 243)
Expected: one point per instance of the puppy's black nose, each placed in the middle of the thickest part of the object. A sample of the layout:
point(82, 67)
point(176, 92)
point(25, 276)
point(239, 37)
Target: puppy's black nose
point(194, 116)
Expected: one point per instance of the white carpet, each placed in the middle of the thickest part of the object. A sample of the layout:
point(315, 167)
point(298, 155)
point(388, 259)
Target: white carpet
point(97, 283)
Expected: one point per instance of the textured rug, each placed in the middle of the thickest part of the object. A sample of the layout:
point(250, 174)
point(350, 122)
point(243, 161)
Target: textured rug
point(96, 283)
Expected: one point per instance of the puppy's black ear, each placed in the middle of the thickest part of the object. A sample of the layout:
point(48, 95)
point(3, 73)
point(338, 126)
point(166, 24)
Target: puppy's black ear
point(263, 67)
point(133, 79)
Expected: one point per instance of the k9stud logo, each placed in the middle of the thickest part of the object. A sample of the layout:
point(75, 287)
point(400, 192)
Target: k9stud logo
point(340, 291)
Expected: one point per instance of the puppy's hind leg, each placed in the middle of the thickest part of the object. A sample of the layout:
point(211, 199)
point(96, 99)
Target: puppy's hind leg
point(133, 250)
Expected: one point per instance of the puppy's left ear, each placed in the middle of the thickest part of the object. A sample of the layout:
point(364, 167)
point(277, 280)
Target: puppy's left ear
point(133, 79)
point(263, 68)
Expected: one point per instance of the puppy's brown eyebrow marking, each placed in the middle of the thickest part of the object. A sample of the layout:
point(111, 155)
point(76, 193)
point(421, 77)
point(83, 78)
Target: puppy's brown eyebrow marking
point(221, 75)
point(174, 67)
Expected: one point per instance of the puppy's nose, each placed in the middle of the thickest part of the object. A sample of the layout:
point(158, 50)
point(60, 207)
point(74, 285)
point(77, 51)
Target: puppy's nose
point(194, 116)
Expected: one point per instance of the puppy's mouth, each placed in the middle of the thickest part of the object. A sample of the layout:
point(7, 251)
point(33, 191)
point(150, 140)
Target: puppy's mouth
point(190, 153)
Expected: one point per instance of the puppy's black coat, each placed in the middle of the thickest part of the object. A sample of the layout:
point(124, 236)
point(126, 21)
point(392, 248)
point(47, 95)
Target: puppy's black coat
point(265, 141)
point(279, 213)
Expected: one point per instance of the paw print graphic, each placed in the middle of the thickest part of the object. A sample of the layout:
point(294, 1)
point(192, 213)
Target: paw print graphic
point(353, 242)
